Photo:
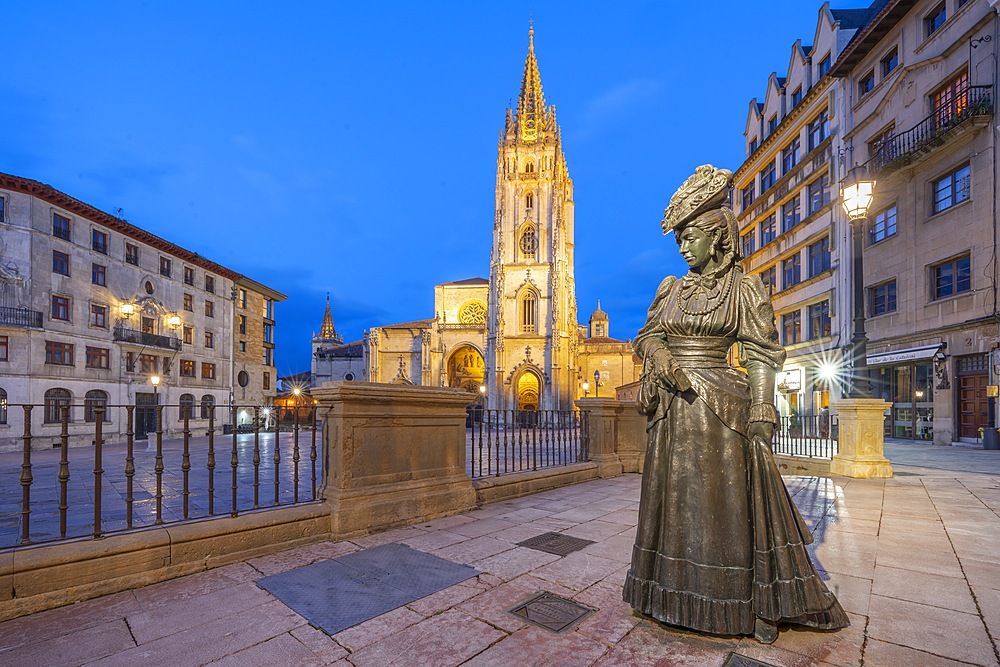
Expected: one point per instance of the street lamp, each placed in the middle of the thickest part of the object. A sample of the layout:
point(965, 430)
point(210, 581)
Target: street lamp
point(155, 381)
point(856, 194)
point(597, 383)
point(586, 388)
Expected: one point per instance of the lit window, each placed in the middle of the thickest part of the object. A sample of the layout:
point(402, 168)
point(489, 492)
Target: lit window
point(950, 100)
point(952, 277)
point(207, 371)
point(243, 298)
point(882, 299)
point(883, 225)
point(953, 189)
point(187, 368)
point(3, 406)
point(243, 324)
point(791, 328)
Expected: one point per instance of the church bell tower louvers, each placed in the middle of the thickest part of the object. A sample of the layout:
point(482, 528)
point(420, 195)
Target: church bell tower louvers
point(532, 341)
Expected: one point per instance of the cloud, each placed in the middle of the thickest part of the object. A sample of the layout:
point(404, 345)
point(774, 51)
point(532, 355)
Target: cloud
point(613, 105)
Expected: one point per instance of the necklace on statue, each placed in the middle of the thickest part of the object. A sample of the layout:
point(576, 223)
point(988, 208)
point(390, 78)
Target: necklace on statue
point(697, 285)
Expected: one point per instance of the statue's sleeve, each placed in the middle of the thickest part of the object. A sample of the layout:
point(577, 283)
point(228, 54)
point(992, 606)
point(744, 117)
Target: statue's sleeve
point(650, 337)
point(761, 352)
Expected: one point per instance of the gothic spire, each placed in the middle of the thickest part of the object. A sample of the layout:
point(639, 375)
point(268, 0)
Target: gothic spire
point(531, 102)
point(327, 331)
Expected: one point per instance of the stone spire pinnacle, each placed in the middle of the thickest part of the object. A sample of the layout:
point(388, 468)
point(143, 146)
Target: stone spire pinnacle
point(328, 331)
point(531, 103)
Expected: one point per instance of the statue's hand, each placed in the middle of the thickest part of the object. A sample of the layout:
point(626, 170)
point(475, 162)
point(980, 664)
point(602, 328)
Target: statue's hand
point(667, 372)
point(763, 430)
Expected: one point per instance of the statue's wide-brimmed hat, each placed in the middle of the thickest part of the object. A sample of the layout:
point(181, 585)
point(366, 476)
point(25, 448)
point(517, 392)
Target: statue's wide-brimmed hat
point(705, 190)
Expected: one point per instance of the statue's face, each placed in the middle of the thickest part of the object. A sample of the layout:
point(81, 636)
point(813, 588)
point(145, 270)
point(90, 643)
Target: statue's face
point(696, 246)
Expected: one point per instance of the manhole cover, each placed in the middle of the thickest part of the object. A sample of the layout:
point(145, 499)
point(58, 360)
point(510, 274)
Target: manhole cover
point(555, 543)
point(737, 660)
point(551, 612)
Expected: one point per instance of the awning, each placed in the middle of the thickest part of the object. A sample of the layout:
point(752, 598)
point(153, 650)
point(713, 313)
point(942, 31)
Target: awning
point(909, 354)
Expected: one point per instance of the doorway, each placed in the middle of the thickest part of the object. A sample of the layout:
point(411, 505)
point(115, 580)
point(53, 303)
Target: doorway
point(145, 415)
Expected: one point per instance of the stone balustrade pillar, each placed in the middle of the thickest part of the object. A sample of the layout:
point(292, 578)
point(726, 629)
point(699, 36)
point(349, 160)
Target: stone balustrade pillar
point(861, 450)
point(601, 417)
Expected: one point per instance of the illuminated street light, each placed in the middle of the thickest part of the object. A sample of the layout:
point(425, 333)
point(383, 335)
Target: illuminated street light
point(857, 192)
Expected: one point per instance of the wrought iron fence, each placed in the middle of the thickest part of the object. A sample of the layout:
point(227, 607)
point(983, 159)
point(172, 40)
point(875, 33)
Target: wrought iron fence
point(812, 436)
point(127, 335)
point(20, 317)
point(506, 441)
point(138, 484)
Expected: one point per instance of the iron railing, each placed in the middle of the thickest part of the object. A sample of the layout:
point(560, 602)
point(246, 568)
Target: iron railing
point(811, 436)
point(900, 149)
point(126, 335)
point(508, 441)
point(20, 317)
point(71, 492)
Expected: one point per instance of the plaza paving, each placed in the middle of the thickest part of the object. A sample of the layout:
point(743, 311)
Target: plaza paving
point(915, 560)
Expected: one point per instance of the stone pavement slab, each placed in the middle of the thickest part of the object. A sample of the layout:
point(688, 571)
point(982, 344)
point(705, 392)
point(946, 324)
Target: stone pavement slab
point(915, 560)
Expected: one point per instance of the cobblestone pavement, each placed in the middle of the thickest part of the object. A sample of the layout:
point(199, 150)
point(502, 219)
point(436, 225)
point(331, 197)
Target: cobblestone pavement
point(915, 560)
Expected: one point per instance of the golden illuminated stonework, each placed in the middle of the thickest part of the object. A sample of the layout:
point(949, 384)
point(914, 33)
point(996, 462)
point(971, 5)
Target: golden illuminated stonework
point(474, 312)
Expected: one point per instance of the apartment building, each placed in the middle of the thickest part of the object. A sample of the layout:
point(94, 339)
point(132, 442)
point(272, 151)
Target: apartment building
point(93, 308)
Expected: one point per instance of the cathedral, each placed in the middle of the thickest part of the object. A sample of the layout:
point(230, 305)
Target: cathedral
point(513, 340)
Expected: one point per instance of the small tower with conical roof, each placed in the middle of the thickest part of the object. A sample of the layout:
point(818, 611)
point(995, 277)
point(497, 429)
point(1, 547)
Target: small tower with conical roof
point(599, 323)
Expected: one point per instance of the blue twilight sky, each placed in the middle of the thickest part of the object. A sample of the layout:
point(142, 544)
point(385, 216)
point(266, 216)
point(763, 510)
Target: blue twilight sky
point(350, 147)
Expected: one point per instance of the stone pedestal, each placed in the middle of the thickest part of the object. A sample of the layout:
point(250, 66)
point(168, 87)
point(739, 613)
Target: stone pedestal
point(632, 438)
point(396, 454)
point(862, 440)
point(600, 418)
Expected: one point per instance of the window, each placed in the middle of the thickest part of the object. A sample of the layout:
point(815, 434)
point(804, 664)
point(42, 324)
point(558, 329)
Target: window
point(58, 354)
point(767, 177)
point(132, 254)
point(824, 67)
point(55, 400)
point(753, 146)
point(243, 298)
point(866, 83)
point(962, 3)
point(882, 299)
point(149, 364)
point(98, 274)
point(529, 200)
point(747, 243)
point(210, 284)
point(165, 267)
point(187, 368)
point(819, 193)
point(883, 225)
point(772, 124)
point(889, 62)
point(207, 371)
point(791, 213)
point(797, 97)
point(189, 302)
point(166, 365)
point(768, 230)
point(934, 20)
point(819, 320)
point(147, 325)
point(819, 130)
point(209, 309)
point(209, 339)
point(268, 310)
point(770, 279)
point(529, 168)
point(243, 324)
point(60, 308)
point(268, 332)
point(187, 406)
point(4, 348)
point(267, 380)
point(528, 311)
point(791, 328)
point(790, 156)
point(99, 241)
point(950, 100)
point(819, 257)
point(3, 406)
point(207, 406)
point(528, 243)
point(189, 280)
point(60, 227)
point(243, 346)
point(791, 272)
point(98, 357)
point(747, 197)
point(188, 335)
point(3, 217)
point(881, 144)
point(60, 263)
point(94, 399)
point(952, 277)
point(952, 189)
point(98, 316)
point(268, 359)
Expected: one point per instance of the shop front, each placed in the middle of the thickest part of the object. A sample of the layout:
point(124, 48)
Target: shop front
point(905, 378)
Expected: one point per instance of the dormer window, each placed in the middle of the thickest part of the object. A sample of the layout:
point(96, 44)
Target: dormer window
point(797, 97)
point(772, 124)
point(824, 67)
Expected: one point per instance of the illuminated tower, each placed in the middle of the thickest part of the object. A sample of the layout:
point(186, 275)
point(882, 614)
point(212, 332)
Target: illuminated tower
point(532, 340)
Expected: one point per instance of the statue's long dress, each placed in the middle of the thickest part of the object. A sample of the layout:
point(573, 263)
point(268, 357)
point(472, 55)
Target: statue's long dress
point(719, 541)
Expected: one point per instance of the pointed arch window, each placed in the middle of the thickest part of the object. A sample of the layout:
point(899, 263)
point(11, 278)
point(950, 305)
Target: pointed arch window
point(528, 313)
point(529, 201)
point(529, 167)
point(527, 242)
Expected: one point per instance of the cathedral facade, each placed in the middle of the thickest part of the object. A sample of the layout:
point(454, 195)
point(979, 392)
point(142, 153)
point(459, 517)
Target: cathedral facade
point(513, 340)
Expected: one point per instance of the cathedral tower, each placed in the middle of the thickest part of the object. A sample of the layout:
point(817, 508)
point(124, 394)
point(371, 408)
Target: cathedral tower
point(532, 340)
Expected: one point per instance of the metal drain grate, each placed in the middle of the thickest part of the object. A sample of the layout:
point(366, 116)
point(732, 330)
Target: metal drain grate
point(551, 612)
point(555, 543)
point(737, 660)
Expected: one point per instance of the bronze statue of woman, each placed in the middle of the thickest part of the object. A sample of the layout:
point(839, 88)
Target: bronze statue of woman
point(720, 548)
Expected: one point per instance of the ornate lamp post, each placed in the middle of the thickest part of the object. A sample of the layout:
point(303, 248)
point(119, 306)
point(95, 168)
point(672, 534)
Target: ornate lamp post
point(155, 381)
point(597, 383)
point(856, 193)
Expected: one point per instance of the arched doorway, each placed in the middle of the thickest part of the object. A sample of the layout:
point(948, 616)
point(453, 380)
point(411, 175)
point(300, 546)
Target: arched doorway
point(527, 391)
point(466, 368)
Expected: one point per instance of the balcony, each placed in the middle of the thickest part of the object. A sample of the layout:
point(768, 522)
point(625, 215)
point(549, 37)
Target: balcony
point(901, 149)
point(123, 334)
point(20, 317)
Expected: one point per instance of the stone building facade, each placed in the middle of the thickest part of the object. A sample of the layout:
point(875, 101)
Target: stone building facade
point(92, 307)
point(514, 339)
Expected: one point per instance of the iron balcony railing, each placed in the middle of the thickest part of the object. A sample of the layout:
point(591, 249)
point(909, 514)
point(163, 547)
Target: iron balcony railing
point(126, 335)
point(20, 317)
point(901, 149)
point(508, 441)
point(72, 492)
point(811, 436)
